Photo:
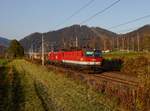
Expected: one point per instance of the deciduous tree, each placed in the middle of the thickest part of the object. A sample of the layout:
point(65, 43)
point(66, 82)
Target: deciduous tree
point(15, 49)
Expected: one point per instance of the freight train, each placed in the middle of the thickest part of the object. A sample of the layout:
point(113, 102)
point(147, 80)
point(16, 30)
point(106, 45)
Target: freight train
point(81, 58)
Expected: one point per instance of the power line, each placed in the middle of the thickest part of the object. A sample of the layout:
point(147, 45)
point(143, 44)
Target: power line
point(128, 29)
point(131, 21)
point(76, 12)
point(102, 11)
point(91, 17)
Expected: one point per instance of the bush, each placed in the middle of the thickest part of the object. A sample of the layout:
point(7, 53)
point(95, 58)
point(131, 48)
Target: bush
point(140, 67)
point(112, 64)
point(135, 66)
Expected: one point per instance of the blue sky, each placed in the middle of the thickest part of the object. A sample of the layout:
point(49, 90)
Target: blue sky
point(18, 18)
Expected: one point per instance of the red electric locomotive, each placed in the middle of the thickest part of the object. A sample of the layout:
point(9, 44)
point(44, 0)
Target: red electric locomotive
point(77, 57)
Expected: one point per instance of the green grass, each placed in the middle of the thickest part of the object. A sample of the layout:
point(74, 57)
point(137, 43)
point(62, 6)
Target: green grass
point(3, 62)
point(119, 54)
point(30, 101)
point(63, 93)
point(136, 64)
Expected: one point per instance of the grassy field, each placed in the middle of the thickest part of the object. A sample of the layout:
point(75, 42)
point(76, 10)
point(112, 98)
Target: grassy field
point(136, 64)
point(29, 87)
point(119, 54)
point(44, 90)
point(3, 62)
point(132, 62)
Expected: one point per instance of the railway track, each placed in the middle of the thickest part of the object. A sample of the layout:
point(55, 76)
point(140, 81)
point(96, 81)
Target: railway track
point(121, 81)
point(107, 76)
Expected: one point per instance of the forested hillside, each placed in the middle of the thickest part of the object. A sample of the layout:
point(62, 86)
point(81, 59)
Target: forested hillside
point(88, 37)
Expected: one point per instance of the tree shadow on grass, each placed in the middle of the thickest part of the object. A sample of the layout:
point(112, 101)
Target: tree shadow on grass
point(11, 91)
point(18, 96)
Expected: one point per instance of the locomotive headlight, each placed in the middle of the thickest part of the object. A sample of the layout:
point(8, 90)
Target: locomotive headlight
point(56, 57)
point(81, 59)
point(93, 60)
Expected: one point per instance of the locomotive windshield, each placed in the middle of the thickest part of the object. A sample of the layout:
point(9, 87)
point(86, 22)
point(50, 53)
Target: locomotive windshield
point(96, 53)
point(89, 53)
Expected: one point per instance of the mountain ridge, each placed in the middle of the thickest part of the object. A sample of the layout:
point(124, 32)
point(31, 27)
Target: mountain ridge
point(65, 37)
point(89, 37)
point(3, 41)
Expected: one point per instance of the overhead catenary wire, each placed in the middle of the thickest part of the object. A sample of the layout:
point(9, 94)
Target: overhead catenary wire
point(122, 24)
point(130, 21)
point(127, 30)
point(99, 12)
point(76, 12)
point(96, 14)
point(137, 36)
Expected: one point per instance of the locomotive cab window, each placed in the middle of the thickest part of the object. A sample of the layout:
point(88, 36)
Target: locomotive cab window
point(89, 53)
point(96, 53)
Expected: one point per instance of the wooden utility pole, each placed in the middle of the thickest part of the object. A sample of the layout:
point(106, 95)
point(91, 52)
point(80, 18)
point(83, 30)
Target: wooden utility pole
point(117, 43)
point(42, 49)
point(122, 43)
point(138, 41)
point(76, 42)
point(104, 45)
point(52, 47)
point(64, 43)
point(113, 43)
point(133, 44)
point(31, 51)
point(128, 44)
